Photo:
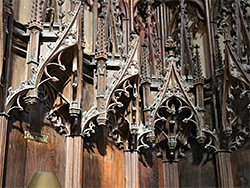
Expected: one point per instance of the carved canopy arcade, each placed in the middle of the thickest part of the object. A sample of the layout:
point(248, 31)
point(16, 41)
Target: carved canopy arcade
point(160, 77)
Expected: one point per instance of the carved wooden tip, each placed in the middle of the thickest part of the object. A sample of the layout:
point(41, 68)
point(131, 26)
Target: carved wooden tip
point(170, 46)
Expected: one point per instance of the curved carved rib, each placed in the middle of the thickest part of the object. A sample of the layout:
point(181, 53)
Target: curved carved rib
point(13, 95)
point(88, 126)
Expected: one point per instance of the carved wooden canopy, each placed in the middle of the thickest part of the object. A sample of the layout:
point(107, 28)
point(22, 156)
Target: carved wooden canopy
point(162, 73)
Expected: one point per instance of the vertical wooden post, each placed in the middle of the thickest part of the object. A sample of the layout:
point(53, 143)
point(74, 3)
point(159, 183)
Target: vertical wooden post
point(33, 53)
point(78, 155)
point(238, 32)
point(5, 51)
point(125, 33)
point(135, 171)
point(101, 58)
point(35, 28)
point(127, 169)
point(163, 33)
point(1, 38)
point(95, 15)
point(211, 59)
point(131, 15)
point(131, 169)
point(69, 162)
point(200, 105)
point(73, 169)
point(224, 169)
point(3, 133)
point(170, 174)
point(34, 44)
point(182, 37)
point(101, 88)
point(146, 102)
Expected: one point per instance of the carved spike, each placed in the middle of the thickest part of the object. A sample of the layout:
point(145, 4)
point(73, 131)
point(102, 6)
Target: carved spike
point(198, 75)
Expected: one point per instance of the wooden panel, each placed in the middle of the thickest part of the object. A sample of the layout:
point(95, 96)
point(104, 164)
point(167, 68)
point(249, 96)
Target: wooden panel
point(46, 157)
point(118, 171)
point(94, 150)
point(91, 170)
point(87, 96)
point(25, 157)
point(103, 163)
point(15, 160)
point(17, 67)
point(149, 170)
point(241, 166)
point(197, 169)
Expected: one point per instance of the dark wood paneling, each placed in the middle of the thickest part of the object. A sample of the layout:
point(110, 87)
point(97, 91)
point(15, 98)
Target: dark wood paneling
point(25, 157)
point(15, 160)
point(149, 169)
point(46, 157)
point(241, 166)
point(197, 169)
point(103, 163)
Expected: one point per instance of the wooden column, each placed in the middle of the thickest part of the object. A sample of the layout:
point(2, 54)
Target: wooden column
point(78, 156)
point(33, 50)
point(3, 126)
point(200, 106)
point(127, 169)
point(182, 37)
point(1, 38)
point(211, 60)
point(131, 17)
point(73, 169)
point(146, 102)
point(101, 88)
point(101, 57)
point(224, 169)
point(131, 169)
point(125, 34)
point(163, 33)
point(135, 171)
point(69, 163)
point(5, 51)
point(3, 133)
point(170, 174)
point(34, 44)
point(95, 26)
